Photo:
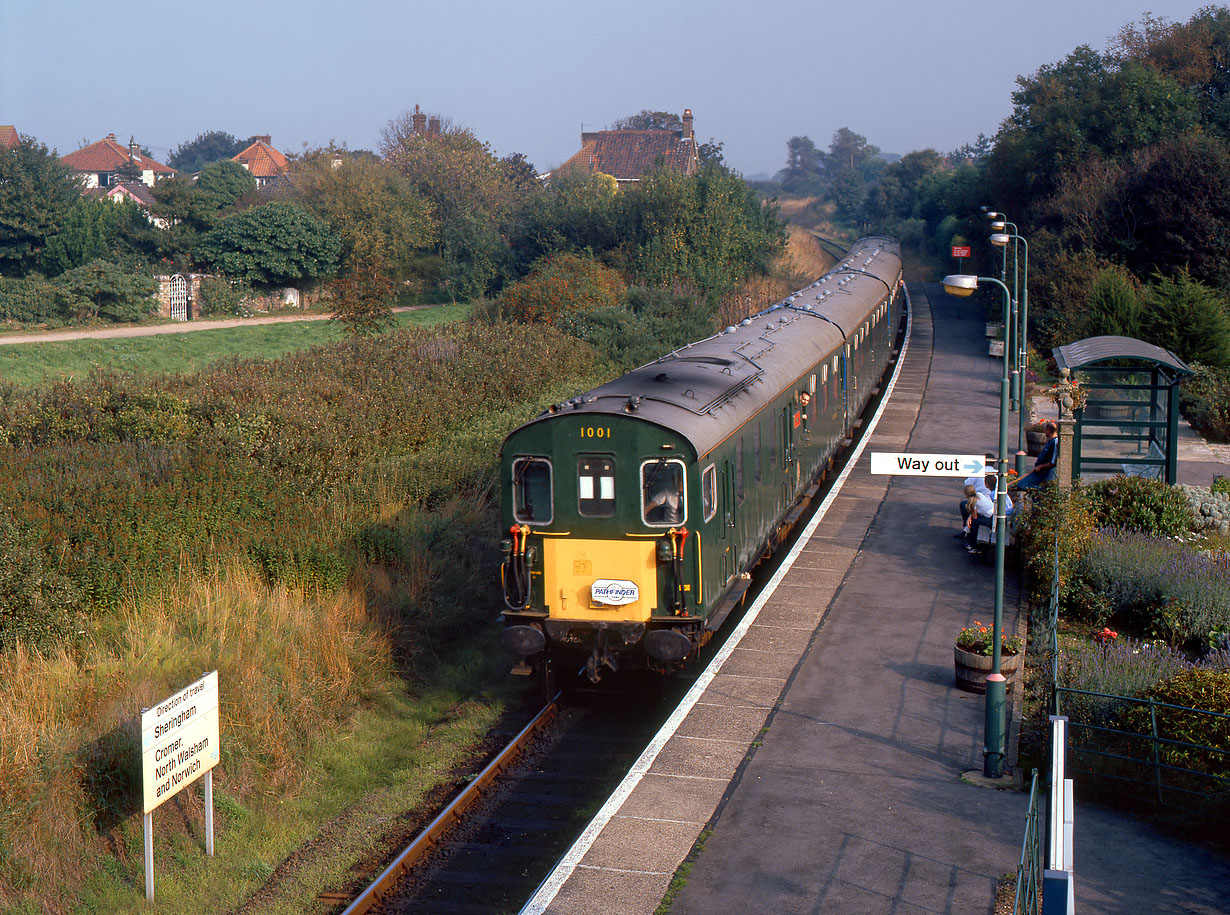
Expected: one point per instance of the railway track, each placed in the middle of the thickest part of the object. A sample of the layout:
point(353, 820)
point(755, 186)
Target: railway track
point(495, 843)
point(491, 848)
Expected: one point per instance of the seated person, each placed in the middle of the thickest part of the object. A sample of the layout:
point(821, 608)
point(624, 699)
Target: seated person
point(1044, 467)
point(984, 486)
point(979, 512)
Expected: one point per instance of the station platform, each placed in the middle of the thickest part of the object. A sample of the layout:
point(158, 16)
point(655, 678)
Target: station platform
point(817, 765)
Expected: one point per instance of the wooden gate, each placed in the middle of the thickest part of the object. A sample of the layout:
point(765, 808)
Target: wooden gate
point(179, 298)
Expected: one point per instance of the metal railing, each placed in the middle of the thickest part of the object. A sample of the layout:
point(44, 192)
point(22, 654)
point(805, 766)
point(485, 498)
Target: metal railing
point(1144, 760)
point(1028, 899)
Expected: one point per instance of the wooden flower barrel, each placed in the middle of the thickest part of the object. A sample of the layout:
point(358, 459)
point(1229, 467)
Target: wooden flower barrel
point(972, 669)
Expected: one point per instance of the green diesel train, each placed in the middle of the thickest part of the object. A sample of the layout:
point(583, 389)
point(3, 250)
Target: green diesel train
point(637, 510)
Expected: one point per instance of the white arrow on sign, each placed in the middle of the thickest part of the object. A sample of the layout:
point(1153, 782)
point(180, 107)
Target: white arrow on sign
point(929, 465)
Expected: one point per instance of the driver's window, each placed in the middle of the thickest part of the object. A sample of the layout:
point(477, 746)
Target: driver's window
point(662, 493)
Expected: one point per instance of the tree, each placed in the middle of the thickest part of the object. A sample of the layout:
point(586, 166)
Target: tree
point(271, 245)
point(1189, 319)
point(849, 151)
point(37, 195)
point(804, 172)
point(649, 120)
point(381, 219)
point(98, 229)
point(1114, 306)
point(363, 300)
point(470, 190)
point(220, 185)
point(211, 146)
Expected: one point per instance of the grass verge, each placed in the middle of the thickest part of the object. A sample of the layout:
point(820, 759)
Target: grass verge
point(31, 364)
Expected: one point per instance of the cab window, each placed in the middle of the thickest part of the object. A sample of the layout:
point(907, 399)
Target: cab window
point(663, 499)
point(708, 492)
point(531, 478)
point(596, 487)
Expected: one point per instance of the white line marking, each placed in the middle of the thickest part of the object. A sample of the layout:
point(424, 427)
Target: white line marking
point(555, 880)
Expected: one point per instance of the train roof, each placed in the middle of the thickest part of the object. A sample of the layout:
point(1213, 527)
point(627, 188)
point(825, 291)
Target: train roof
point(707, 389)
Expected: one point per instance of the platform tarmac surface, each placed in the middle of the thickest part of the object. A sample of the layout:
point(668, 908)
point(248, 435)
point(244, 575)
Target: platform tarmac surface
point(825, 756)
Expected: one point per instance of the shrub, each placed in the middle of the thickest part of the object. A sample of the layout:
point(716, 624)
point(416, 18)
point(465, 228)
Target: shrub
point(37, 604)
point(1196, 688)
point(110, 292)
point(35, 301)
point(1140, 504)
point(1159, 586)
point(560, 285)
point(1205, 398)
point(1057, 517)
point(1189, 319)
point(222, 297)
point(1220, 485)
point(654, 322)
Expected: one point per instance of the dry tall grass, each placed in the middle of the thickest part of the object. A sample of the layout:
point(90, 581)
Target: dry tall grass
point(292, 666)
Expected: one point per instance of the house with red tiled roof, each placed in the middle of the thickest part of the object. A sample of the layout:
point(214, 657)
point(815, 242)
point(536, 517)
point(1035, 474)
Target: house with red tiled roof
point(8, 136)
point(119, 191)
point(100, 164)
point(625, 155)
point(266, 164)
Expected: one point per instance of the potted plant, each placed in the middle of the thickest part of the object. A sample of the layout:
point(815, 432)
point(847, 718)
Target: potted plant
point(972, 656)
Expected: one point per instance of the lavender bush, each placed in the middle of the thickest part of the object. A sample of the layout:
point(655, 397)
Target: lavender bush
point(1162, 586)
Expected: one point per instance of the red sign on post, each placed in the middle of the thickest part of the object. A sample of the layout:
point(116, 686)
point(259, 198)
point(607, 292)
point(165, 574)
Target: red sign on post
point(960, 250)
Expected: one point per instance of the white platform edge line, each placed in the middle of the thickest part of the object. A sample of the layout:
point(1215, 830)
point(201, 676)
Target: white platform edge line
point(555, 880)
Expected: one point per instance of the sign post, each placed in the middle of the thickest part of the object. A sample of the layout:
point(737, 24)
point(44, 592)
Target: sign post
point(179, 744)
point(929, 465)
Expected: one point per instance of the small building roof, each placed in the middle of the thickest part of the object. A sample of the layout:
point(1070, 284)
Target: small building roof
point(134, 190)
point(107, 155)
point(1092, 350)
point(626, 155)
point(261, 159)
point(8, 136)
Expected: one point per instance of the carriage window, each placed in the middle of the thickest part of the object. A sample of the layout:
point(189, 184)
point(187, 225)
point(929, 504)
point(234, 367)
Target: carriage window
point(532, 490)
point(824, 375)
point(663, 499)
point(835, 358)
point(596, 487)
point(708, 491)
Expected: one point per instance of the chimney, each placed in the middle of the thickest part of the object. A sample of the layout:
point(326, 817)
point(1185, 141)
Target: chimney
point(433, 126)
point(687, 123)
point(267, 139)
point(134, 150)
point(420, 121)
point(111, 137)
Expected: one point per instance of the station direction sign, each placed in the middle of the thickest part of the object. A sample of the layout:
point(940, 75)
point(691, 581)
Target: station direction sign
point(930, 465)
point(179, 740)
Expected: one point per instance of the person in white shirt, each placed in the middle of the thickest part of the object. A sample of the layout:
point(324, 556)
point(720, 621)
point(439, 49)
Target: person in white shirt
point(979, 512)
point(984, 487)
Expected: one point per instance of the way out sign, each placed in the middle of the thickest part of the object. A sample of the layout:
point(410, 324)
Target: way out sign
point(179, 744)
point(929, 465)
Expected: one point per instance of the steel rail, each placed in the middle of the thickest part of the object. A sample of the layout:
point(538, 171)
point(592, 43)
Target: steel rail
point(426, 841)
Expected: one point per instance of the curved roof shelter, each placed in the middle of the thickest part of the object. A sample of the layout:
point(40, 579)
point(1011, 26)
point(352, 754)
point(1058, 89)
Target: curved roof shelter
point(1093, 350)
point(1129, 423)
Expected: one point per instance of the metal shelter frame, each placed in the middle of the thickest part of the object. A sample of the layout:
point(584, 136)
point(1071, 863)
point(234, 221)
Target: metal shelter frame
point(1133, 399)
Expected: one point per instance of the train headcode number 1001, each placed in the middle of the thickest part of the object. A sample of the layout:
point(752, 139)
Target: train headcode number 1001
point(595, 432)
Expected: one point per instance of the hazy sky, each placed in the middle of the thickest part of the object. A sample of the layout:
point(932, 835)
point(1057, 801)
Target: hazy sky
point(525, 76)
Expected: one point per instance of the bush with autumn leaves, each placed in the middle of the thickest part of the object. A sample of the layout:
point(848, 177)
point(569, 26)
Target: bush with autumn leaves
point(559, 286)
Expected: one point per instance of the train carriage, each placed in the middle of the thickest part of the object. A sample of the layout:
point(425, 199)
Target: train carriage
point(636, 511)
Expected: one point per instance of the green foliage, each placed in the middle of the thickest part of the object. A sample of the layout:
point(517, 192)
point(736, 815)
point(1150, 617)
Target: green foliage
point(559, 286)
point(220, 185)
point(1057, 528)
point(38, 605)
point(1189, 319)
point(382, 220)
point(273, 244)
point(1221, 484)
point(1140, 504)
point(38, 196)
point(35, 301)
point(652, 322)
point(707, 229)
point(364, 300)
point(110, 292)
point(1114, 306)
point(1200, 689)
point(649, 120)
point(221, 297)
point(210, 146)
point(1205, 398)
